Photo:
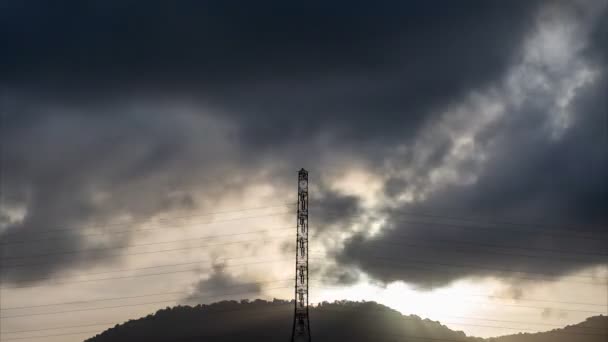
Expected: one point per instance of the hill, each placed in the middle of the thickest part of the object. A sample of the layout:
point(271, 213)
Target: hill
point(593, 329)
point(231, 321)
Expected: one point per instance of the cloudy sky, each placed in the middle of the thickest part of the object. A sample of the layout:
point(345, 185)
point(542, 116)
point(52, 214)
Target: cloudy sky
point(457, 153)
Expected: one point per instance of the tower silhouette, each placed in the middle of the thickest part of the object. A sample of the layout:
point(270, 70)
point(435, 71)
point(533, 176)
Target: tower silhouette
point(301, 323)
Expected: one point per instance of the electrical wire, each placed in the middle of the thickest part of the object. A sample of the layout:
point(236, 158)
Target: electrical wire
point(128, 277)
point(160, 220)
point(325, 308)
point(420, 261)
point(485, 222)
point(136, 245)
point(486, 226)
point(159, 251)
point(235, 258)
point(135, 304)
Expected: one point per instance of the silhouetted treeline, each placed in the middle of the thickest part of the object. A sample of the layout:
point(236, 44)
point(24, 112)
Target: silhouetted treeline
point(593, 329)
point(260, 320)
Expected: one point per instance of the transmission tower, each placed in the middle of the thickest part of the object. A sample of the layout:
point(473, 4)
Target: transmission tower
point(301, 323)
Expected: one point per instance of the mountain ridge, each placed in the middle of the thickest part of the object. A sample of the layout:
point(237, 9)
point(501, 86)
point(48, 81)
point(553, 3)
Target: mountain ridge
point(261, 320)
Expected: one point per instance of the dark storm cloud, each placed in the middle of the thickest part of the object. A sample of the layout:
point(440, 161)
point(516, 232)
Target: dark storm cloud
point(488, 228)
point(338, 275)
point(328, 208)
point(264, 63)
point(276, 85)
point(536, 209)
point(76, 171)
point(86, 41)
point(327, 211)
point(220, 283)
point(599, 44)
point(85, 141)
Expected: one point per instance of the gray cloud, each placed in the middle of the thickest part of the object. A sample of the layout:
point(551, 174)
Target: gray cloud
point(220, 283)
point(339, 275)
point(549, 312)
point(328, 208)
point(96, 127)
point(598, 47)
point(76, 171)
point(262, 65)
point(533, 170)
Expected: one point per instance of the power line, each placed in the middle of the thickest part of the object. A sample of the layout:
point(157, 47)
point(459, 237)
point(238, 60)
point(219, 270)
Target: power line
point(444, 240)
point(134, 245)
point(482, 244)
point(240, 218)
point(236, 242)
point(160, 251)
point(469, 252)
point(71, 327)
point(105, 299)
point(127, 305)
point(414, 261)
point(375, 312)
point(375, 257)
point(53, 335)
point(572, 232)
point(522, 322)
point(513, 305)
point(485, 245)
point(243, 233)
point(476, 325)
point(209, 237)
point(62, 327)
point(183, 292)
point(392, 260)
point(528, 299)
point(246, 241)
point(114, 323)
point(503, 228)
point(166, 293)
point(132, 223)
point(342, 309)
point(133, 269)
point(190, 224)
point(510, 298)
point(129, 276)
point(291, 279)
point(273, 260)
point(529, 323)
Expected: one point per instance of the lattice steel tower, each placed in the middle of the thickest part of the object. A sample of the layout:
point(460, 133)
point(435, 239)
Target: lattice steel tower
point(301, 324)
